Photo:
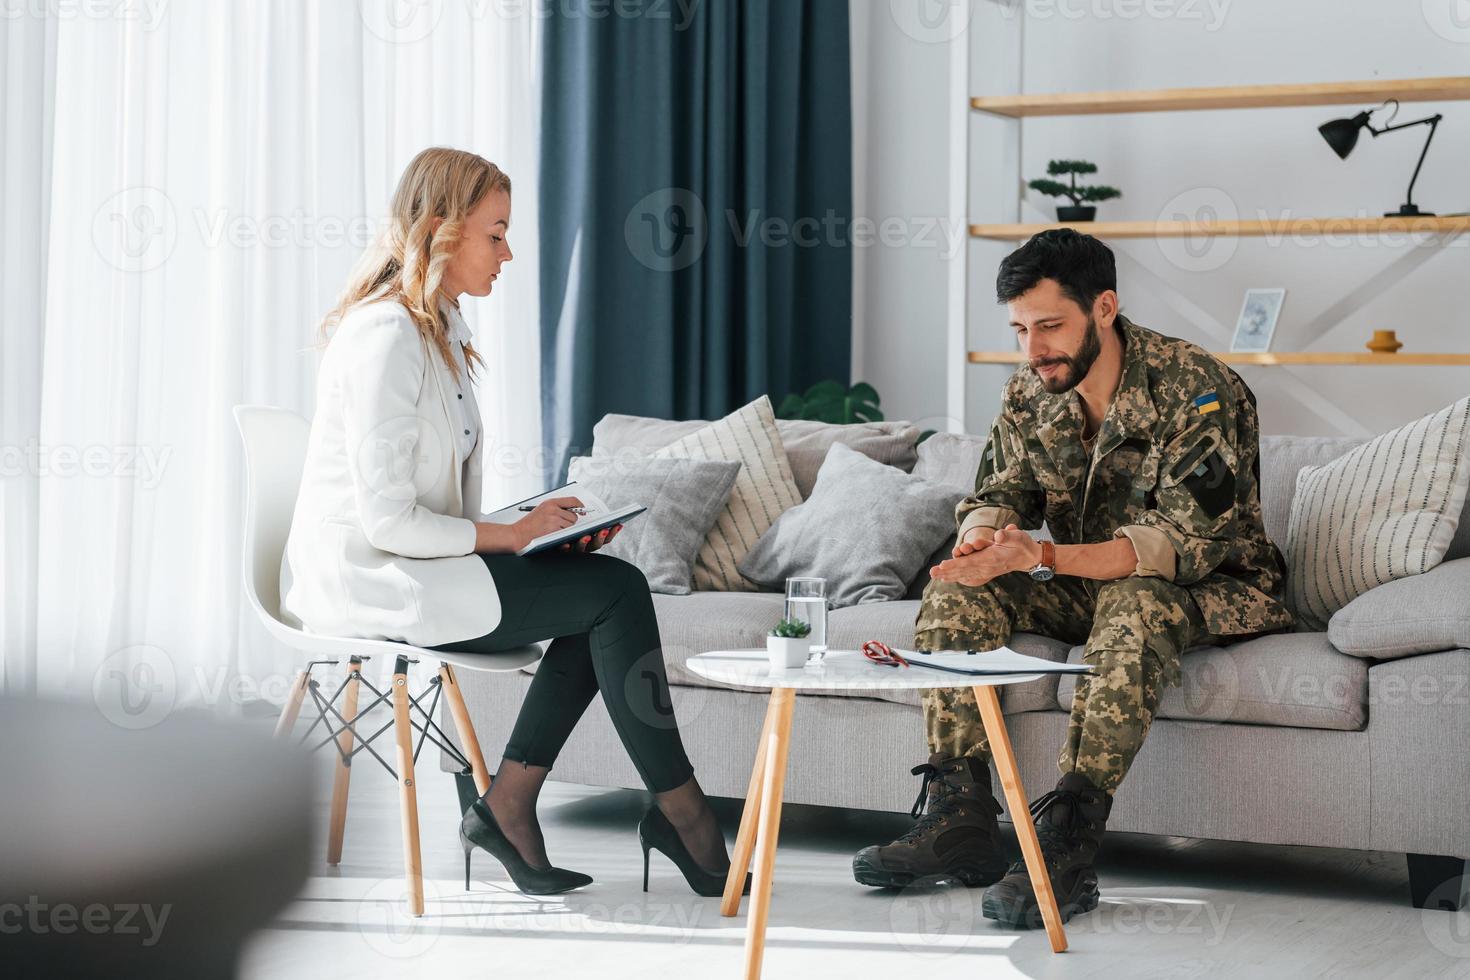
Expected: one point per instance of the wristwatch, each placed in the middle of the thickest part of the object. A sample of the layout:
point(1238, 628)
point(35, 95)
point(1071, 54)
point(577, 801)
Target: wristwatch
point(1046, 569)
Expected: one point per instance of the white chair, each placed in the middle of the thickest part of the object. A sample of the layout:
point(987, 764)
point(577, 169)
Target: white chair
point(275, 452)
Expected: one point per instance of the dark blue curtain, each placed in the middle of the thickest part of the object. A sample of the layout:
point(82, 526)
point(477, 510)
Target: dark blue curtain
point(696, 193)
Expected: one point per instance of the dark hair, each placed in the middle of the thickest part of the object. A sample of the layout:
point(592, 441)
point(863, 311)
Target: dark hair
point(1081, 265)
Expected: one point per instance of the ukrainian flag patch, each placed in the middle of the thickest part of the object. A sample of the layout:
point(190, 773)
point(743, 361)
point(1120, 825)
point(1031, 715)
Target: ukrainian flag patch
point(1205, 404)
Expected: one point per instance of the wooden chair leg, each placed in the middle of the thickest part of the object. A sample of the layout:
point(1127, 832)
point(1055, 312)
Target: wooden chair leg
point(745, 837)
point(467, 740)
point(407, 793)
point(343, 774)
point(1010, 781)
point(292, 707)
point(773, 784)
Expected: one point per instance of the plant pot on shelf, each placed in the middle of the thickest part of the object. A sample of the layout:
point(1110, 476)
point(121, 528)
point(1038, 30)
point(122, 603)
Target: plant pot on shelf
point(1074, 212)
point(788, 652)
point(1384, 342)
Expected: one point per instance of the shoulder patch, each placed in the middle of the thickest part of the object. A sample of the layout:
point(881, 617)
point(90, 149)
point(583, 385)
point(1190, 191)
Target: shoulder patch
point(1206, 471)
point(1212, 485)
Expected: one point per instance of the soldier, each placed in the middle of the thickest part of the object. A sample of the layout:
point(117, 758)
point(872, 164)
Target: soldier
point(1139, 452)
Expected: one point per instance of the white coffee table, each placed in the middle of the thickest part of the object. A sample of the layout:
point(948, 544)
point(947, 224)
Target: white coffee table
point(847, 670)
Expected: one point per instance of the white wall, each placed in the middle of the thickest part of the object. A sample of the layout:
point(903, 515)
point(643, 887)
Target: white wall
point(1257, 163)
point(903, 115)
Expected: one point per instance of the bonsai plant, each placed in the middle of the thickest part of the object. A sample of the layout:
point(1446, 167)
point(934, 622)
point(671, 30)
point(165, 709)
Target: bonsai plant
point(787, 645)
point(1077, 211)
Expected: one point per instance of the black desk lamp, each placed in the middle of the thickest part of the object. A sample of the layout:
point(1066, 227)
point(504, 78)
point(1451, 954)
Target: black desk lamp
point(1342, 136)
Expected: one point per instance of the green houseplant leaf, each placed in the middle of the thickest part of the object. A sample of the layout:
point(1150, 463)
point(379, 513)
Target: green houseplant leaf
point(829, 401)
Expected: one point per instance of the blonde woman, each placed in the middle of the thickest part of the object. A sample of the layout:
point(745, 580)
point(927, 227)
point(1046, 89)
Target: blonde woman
point(386, 543)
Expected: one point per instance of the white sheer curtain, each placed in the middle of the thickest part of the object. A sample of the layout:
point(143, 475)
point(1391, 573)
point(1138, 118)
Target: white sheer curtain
point(185, 188)
point(27, 65)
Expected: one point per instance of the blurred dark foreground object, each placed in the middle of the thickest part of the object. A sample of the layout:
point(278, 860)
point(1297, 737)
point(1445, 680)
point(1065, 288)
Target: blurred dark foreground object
point(142, 853)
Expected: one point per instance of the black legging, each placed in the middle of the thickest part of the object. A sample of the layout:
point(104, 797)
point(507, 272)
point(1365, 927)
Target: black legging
point(600, 614)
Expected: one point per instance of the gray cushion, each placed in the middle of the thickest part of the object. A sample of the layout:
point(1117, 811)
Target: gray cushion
point(806, 442)
point(1419, 614)
point(683, 497)
point(1292, 680)
point(866, 529)
point(951, 459)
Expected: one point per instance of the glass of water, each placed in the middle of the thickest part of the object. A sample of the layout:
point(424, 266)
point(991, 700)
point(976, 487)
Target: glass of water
point(806, 602)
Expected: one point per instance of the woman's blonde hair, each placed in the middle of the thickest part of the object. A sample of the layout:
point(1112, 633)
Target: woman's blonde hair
point(407, 261)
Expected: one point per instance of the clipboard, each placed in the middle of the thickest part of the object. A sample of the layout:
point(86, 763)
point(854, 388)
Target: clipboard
point(571, 532)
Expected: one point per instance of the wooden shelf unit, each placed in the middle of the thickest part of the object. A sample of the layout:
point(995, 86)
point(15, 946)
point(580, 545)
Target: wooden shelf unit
point(1365, 358)
point(1238, 229)
point(1452, 88)
point(1361, 93)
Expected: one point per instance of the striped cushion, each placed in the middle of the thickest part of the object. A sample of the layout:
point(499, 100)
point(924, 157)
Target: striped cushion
point(1383, 511)
point(763, 490)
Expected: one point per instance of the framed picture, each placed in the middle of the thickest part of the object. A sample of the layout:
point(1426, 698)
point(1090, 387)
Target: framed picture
point(1257, 322)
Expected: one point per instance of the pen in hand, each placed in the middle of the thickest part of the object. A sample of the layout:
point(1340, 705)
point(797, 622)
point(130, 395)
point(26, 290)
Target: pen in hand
point(575, 510)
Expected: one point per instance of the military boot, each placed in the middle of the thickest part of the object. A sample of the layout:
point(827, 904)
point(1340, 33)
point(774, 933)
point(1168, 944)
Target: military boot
point(958, 838)
point(1069, 824)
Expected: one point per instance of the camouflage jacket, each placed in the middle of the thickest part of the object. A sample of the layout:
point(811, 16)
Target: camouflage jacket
point(1174, 468)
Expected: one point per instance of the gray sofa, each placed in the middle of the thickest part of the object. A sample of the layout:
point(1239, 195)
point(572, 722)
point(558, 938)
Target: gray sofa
point(1279, 740)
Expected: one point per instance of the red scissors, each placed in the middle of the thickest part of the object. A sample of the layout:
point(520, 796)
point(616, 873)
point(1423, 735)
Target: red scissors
point(882, 654)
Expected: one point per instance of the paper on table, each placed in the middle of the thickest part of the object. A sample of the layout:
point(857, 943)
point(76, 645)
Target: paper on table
point(1002, 661)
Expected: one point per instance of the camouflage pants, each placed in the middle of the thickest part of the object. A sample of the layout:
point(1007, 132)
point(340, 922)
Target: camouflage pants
point(1135, 631)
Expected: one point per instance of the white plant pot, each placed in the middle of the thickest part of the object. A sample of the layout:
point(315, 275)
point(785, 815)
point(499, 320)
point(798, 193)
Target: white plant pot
point(788, 652)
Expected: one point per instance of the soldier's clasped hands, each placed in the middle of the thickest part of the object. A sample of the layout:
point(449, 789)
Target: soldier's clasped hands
point(976, 562)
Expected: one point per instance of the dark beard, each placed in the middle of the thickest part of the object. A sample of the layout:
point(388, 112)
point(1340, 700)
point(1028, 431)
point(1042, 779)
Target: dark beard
point(1077, 365)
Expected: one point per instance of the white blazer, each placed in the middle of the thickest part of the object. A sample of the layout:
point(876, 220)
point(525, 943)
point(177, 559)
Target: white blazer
point(382, 538)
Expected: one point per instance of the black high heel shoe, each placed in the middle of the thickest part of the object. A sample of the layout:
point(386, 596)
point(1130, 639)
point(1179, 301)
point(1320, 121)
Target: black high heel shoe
point(656, 833)
point(478, 828)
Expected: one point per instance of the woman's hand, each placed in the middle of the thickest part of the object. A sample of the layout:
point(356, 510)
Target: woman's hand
point(591, 542)
point(550, 515)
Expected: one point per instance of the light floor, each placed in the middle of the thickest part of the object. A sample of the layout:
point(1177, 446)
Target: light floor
point(1170, 908)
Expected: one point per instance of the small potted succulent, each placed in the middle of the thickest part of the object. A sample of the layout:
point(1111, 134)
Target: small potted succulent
point(1079, 210)
point(788, 645)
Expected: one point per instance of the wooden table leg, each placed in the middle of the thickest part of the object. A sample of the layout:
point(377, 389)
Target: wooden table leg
point(777, 743)
point(292, 707)
point(745, 837)
point(1010, 781)
point(342, 778)
point(407, 793)
point(467, 740)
